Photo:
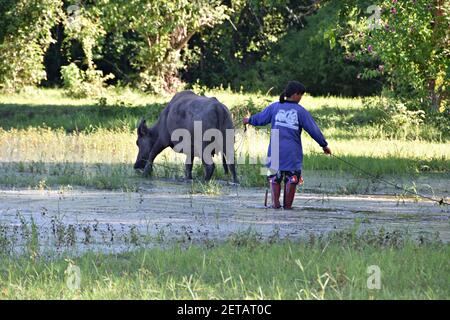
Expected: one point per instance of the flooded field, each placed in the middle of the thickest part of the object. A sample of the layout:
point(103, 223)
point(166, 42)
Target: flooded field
point(83, 219)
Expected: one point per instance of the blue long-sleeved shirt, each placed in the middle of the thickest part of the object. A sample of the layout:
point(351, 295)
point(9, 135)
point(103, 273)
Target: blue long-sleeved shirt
point(285, 149)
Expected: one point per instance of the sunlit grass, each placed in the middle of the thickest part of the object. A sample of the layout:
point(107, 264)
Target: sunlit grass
point(37, 97)
point(118, 147)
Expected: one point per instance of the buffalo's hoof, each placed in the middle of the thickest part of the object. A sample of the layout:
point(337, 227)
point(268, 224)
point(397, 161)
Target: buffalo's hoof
point(148, 170)
point(147, 174)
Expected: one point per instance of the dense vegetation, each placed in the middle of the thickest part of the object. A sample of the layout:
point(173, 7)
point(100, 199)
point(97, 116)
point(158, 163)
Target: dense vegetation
point(349, 48)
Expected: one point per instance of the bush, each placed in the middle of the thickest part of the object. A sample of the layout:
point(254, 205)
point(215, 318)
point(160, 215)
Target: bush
point(81, 84)
point(410, 39)
point(248, 107)
point(25, 35)
point(395, 118)
point(311, 56)
point(306, 54)
point(404, 122)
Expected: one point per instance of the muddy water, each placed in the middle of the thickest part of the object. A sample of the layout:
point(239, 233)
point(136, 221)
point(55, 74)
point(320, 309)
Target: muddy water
point(107, 220)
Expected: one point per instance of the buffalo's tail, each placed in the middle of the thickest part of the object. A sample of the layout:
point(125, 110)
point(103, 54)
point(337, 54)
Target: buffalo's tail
point(228, 155)
point(224, 163)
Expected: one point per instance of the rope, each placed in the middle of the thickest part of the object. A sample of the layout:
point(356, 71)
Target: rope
point(242, 139)
point(441, 201)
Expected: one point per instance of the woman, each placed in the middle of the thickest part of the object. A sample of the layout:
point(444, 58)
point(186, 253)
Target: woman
point(285, 154)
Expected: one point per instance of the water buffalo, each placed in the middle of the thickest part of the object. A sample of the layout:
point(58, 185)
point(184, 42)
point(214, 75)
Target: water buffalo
point(186, 125)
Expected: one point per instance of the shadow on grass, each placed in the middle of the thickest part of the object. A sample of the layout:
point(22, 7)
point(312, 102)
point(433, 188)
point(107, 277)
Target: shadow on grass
point(76, 118)
point(335, 117)
point(82, 117)
point(116, 176)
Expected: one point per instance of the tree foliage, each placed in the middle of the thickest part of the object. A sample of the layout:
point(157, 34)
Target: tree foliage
point(265, 44)
point(334, 47)
point(312, 56)
point(228, 54)
point(153, 34)
point(157, 32)
point(411, 41)
point(25, 35)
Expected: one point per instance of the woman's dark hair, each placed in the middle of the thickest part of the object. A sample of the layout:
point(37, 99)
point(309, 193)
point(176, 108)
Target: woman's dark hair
point(292, 87)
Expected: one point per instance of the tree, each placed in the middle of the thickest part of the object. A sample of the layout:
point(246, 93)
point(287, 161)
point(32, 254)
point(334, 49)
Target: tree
point(312, 56)
point(150, 34)
point(228, 54)
point(157, 32)
point(24, 37)
point(411, 39)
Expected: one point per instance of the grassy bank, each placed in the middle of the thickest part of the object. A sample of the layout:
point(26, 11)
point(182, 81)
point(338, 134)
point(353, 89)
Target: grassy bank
point(47, 139)
point(238, 269)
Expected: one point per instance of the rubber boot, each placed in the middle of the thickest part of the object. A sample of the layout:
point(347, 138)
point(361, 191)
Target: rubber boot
point(289, 194)
point(275, 189)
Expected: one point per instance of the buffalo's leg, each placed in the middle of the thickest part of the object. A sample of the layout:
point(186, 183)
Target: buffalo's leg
point(157, 148)
point(228, 156)
point(209, 166)
point(207, 160)
point(148, 169)
point(233, 172)
point(189, 165)
point(209, 170)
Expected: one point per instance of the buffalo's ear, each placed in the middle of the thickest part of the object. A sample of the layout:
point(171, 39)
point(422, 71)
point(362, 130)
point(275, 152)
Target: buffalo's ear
point(142, 129)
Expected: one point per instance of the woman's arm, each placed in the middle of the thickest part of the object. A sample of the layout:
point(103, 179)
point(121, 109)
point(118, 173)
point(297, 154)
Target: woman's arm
point(310, 126)
point(260, 119)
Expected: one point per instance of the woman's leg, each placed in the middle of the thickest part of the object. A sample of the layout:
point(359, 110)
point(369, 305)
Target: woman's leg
point(291, 180)
point(275, 188)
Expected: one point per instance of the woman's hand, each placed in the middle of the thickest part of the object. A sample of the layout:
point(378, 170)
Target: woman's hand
point(326, 150)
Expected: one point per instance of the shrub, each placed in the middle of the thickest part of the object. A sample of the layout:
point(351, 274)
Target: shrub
point(395, 118)
point(80, 84)
point(25, 35)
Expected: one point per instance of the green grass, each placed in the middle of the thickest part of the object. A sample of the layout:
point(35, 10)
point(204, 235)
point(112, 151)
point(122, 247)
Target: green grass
point(236, 270)
point(46, 137)
point(245, 265)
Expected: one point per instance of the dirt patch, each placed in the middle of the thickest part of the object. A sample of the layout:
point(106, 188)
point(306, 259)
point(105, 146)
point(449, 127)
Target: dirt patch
point(107, 220)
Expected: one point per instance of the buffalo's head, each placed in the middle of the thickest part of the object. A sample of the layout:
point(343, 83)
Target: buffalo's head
point(144, 142)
